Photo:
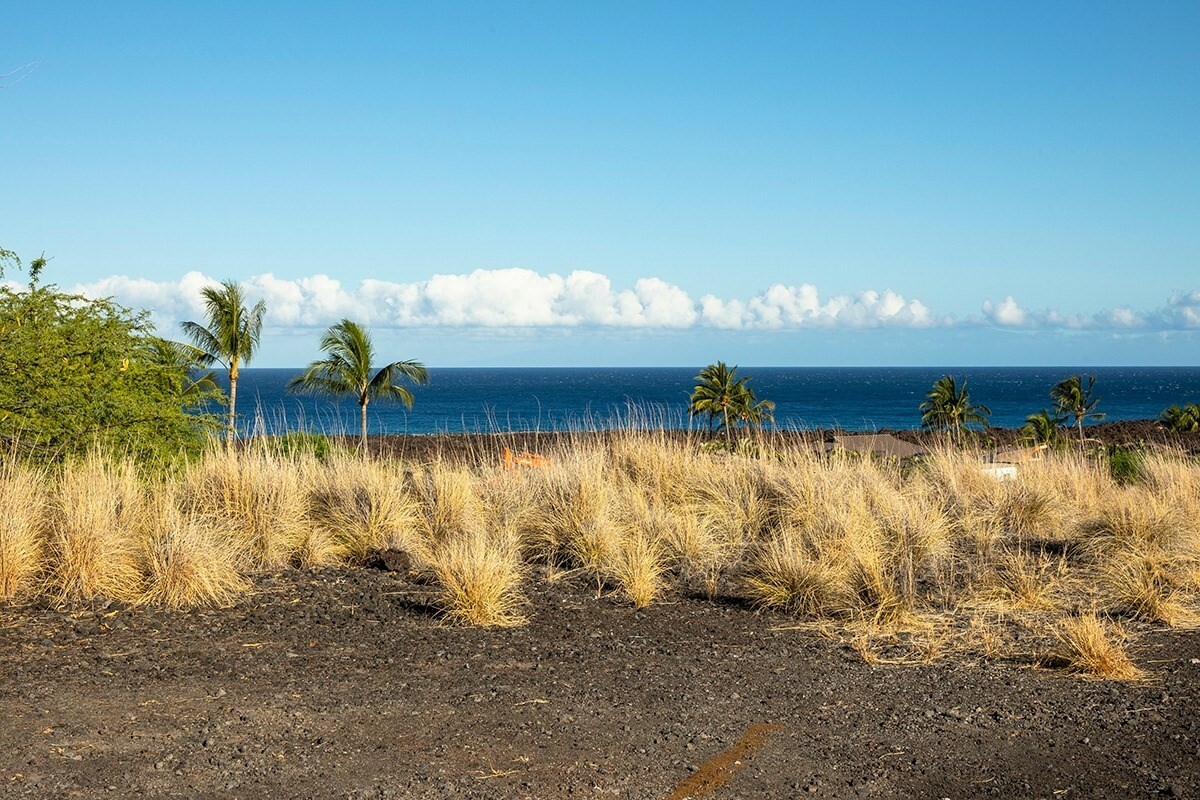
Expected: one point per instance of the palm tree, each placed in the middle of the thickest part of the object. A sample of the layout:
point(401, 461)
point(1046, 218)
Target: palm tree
point(1042, 427)
point(948, 407)
point(1074, 399)
point(727, 399)
point(1181, 419)
point(346, 372)
point(755, 411)
point(231, 336)
point(182, 361)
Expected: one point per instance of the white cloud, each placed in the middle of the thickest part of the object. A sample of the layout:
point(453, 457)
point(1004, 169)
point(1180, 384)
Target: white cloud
point(1182, 312)
point(1006, 313)
point(783, 306)
point(522, 299)
point(170, 300)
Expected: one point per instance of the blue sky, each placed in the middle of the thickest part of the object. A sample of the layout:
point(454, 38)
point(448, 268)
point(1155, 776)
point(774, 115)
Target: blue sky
point(556, 183)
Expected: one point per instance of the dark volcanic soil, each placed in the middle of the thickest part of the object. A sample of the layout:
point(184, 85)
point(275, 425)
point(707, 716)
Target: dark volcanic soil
point(341, 683)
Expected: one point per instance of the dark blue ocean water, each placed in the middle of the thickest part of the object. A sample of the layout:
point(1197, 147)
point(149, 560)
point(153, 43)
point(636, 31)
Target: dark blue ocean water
point(866, 398)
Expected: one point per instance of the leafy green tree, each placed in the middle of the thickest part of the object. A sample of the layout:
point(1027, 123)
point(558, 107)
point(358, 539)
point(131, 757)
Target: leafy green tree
point(727, 400)
point(1042, 427)
point(1181, 419)
point(1073, 398)
point(231, 336)
point(10, 259)
point(76, 373)
point(346, 371)
point(948, 407)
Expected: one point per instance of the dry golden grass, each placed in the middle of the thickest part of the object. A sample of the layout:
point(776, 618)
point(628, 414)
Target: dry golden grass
point(1095, 648)
point(638, 567)
point(22, 520)
point(1142, 585)
point(97, 519)
point(786, 574)
point(359, 507)
point(1137, 520)
point(842, 541)
point(189, 563)
point(576, 517)
point(1020, 580)
point(449, 503)
point(260, 496)
point(479, 579)
point(1175, 480)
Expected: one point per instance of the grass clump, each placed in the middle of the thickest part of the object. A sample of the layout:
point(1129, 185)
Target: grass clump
point(189, 563)
point(1143, 586)
point(638, 567)
point(479, 579)
point(359, 507)
point(1021, 580)
point(260, 496)
point(1095, 648)
point(785, 574)
point(22, 517)
point(97, 515)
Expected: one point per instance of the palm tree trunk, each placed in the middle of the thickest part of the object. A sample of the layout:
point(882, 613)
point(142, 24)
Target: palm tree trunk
point(1079, 424)
point(233, 378)
point(362, 404)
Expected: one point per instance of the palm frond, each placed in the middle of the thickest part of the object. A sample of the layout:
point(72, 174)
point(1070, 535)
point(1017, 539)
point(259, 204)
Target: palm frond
point(205, 342)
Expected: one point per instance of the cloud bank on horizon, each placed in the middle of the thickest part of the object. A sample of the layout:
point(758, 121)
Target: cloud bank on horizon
point(521, 298)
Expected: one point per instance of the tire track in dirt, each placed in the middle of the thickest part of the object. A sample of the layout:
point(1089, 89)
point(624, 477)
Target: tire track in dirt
point(716, 772)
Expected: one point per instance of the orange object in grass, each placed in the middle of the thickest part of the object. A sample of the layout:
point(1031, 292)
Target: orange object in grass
point(513, 460)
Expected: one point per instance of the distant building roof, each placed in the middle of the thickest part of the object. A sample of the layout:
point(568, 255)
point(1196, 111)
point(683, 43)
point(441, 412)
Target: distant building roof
point(1020, 455)
point(878, 443)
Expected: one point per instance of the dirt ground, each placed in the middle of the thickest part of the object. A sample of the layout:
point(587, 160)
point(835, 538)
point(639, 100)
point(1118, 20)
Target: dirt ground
point(343, 684)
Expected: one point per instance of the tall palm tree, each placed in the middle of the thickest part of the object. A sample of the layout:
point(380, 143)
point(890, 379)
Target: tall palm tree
point(1071, 397)
point(948, 407)
point(231, 336)
point(1042, 427)
point(346, 372)
point(727, 399)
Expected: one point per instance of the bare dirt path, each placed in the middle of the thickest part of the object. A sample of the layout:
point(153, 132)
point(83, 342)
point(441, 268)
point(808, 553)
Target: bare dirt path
point(341, 684)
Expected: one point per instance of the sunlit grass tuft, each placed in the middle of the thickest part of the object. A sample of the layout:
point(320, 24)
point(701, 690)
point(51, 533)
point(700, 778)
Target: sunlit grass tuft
point(479, 579)
point(260, 496)
point(189, 563)
point(22, 520)
point(98, 516)
point(1095, 648)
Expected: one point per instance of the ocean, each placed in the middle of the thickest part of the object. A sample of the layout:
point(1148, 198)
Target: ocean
point(460, 400)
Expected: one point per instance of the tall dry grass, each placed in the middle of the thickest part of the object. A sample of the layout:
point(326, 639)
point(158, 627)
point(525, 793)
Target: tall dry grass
point(188, 560)
point(479, 576)
point(855, 543)
point(96, 523)
point(260, 496)
point(359, 507)
point(23, 499)
point(1096, 648)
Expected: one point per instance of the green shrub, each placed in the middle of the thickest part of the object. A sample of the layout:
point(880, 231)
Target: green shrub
point(304, 443)
point(78, 373)
point(1125, 464)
